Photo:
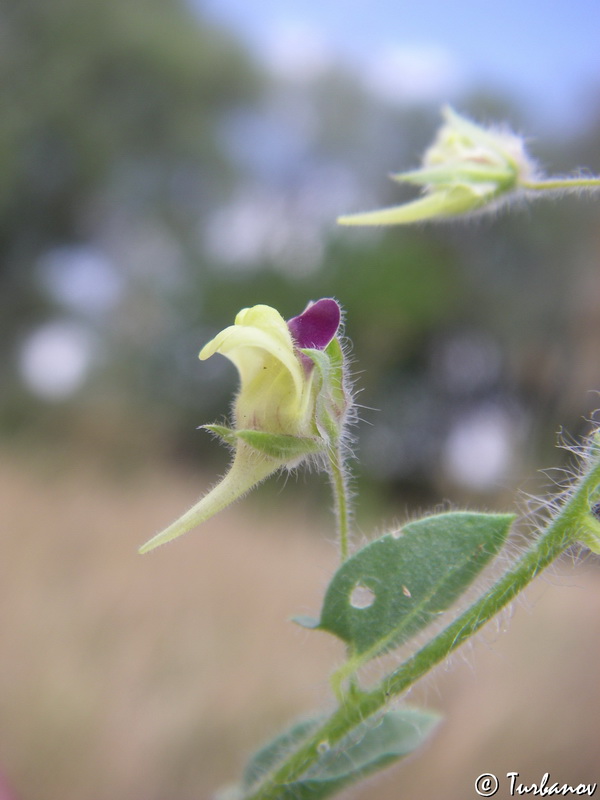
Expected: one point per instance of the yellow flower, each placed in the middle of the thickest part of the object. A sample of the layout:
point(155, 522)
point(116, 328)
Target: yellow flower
point(290, 403)
point(275, 393)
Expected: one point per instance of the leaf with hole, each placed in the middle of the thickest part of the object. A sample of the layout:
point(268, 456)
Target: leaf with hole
point(391, 589)
point(372, 745)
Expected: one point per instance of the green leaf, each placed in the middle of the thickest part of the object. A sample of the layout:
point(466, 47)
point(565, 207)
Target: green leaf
point(398, 584)
point(277, 750)
point(372, 745)
point(279, 446)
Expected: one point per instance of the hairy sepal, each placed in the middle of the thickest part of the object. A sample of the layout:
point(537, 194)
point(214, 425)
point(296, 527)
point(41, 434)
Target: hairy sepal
point(275, 445)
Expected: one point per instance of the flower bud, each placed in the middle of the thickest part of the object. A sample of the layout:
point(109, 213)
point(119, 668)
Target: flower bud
point(466, 168)
point(291, 404)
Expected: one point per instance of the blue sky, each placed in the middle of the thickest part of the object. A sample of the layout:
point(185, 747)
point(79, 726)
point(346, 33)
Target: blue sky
point(547, 52)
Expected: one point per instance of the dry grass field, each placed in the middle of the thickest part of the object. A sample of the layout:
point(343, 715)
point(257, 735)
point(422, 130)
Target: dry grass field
point(152, 678)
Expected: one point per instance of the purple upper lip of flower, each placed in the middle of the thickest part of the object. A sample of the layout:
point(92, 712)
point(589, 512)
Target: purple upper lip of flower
point(317, 325)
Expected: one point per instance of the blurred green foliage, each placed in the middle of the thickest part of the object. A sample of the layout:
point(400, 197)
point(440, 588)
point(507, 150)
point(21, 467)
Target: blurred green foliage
point(106, 94)
point(135, 132)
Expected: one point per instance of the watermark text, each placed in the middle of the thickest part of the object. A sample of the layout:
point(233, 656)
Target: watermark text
point(487, 784)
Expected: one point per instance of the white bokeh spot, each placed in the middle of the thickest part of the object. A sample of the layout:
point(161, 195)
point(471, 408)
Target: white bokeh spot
point(479, 449)
point(55, 358)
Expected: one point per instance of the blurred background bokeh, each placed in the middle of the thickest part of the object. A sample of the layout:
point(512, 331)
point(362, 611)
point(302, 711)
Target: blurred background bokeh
point(165, 163)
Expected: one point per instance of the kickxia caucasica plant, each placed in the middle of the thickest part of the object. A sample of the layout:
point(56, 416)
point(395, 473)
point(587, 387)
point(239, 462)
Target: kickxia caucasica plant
point(294, 405)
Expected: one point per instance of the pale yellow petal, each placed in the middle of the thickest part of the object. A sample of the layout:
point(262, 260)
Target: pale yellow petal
point(248, 469)
point(248, 347)
point(438, 204)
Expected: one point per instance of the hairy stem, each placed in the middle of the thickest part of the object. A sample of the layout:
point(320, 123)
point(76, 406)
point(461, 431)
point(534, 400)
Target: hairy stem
point(561, 532)
point(562, 183)
point(341, 496)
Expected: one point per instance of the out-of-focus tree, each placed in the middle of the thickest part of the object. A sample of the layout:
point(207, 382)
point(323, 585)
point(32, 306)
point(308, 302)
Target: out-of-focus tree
point(105, 102)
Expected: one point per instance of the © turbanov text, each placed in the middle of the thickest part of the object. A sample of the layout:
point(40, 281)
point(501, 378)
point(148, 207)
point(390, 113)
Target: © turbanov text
point(547, 787)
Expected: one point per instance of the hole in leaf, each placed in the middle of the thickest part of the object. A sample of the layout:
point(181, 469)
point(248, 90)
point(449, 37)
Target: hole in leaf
point(362, 596)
